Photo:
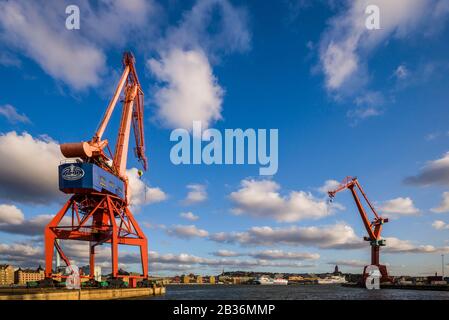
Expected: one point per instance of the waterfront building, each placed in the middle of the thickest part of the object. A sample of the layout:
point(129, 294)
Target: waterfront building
point(185, 278)
point(22, 276)
point(295, 278)
point(241, 280)
point(6, 274)
point(97, 272)
point(199, 279)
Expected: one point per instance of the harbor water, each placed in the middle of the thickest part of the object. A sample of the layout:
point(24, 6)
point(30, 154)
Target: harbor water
point(293, 292)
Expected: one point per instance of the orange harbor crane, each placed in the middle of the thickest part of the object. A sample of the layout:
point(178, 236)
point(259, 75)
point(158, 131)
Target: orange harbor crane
point(98, 210)
point(373, 228)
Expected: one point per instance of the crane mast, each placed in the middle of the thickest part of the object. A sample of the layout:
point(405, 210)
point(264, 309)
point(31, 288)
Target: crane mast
point(373, 227)
point(98, 209)
point(132, 114)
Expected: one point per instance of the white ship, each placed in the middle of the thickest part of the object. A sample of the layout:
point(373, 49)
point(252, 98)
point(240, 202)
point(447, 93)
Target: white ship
point(265, 280)
point(280, 281)
point(332, 280)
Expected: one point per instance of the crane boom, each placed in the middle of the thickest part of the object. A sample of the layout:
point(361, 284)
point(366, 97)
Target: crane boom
point(132, 113)
point(104, 122)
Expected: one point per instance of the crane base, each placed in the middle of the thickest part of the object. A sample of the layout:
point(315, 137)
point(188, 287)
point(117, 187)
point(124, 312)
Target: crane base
point(97, 218)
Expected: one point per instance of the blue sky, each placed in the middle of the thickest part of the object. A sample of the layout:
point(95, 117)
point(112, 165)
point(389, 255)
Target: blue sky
point(346, 101)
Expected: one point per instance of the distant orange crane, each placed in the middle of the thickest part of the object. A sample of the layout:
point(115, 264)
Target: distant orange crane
point(98, 210)
point(374, 227)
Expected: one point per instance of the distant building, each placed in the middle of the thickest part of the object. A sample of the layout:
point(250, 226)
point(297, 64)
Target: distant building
point(6, 274)
point(295, 278)
point(199, 279)
point(241, 280)
point(337, 272)
point(22, 276)
point(436, 280)
point(185, 278)
point(404, 280)
point(212, 280)
point(97, 272)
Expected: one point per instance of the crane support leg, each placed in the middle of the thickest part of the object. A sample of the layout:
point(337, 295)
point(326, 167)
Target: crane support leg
point(97, 218)
point(92, 261)
point(50, 237)
point(49, 251)
point(375, 255)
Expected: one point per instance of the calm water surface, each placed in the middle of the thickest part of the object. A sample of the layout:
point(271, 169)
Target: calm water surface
point(293, 292)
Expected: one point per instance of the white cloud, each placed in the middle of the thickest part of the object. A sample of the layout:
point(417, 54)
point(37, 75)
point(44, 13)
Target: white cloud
point(28, 255)
point(328, 186)
point(338, 236)
point(36, 29)
point(21, 254)
point(435, 172)
point(10, 214)
point(282, 255)
point(440, 225)
point(363, 113)
point(401, 72)
point(33, 226)
point(11, 114)
point(216, 26)
point(270, 255)
point(189, 216)
point(116, 22)
point(347, 43)
point(186, 231)
point(432, 136)
point(36, 181)
point(349, 263)
point(227, 253)
point(395, 245)
point(33, 28)
point(188, 261)
point(141, 194)
point(398, 207)
point(444, 205)
point(369, 104)
point(28, 168)
point(262, 199)
point(8, 60)
point(196, 194)
point(190, 91)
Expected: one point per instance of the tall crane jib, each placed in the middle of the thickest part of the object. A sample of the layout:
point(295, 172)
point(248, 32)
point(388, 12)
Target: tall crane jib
point(98, 208)
point(373, 227)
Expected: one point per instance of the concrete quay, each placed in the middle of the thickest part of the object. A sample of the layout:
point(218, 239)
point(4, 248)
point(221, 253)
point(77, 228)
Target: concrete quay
point(83, 294)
